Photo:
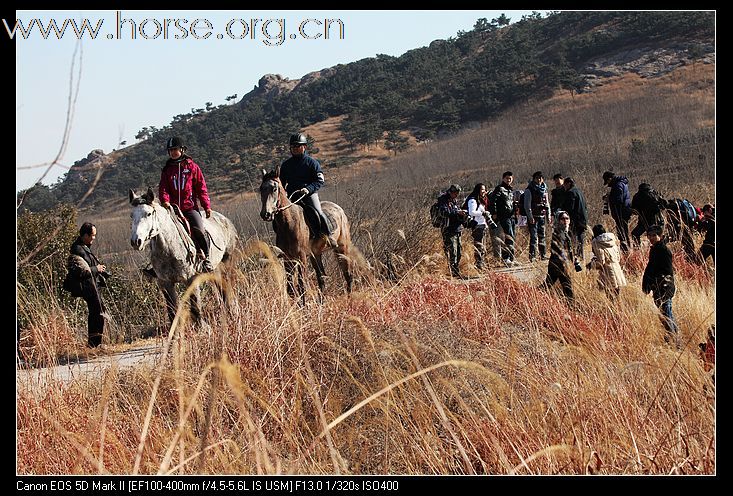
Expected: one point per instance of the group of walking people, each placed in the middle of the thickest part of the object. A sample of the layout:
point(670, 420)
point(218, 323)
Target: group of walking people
point(564, 208)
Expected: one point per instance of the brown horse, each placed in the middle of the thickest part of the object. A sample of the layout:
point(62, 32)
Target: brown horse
point(292, 235)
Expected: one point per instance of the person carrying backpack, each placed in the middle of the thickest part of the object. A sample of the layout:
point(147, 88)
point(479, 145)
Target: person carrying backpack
point(536, 208)
point(619, 204)
point(451, 233)
point(647, 204)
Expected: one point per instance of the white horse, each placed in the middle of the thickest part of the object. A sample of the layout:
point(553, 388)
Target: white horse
point(173, 254)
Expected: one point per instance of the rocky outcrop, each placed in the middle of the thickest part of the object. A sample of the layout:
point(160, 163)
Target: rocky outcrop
point(269, 86)
point(647, 61)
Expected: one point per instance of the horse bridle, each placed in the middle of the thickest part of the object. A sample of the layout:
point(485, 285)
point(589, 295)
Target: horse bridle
point(278, 208)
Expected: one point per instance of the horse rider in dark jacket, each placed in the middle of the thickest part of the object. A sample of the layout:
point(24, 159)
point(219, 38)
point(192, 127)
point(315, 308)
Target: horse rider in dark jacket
point(303, 177)
point(90, 285)
point(619, 204)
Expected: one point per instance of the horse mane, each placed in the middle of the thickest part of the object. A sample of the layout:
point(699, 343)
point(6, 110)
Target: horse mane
point(141, 200)
point(275, 174)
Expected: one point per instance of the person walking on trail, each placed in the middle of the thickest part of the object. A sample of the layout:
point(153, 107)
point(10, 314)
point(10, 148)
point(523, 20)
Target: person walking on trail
point(658, 279)
point(619, 204)
point(537, 207)
point(557, 195)
point(647, 205)
point(576, 207)
point(303, 177)
point(476, 205)
point(451, 233)
point(91, 273)
point(607, 260)
point(561, 254)
point(182, 184)
point(501, 206)
point(708, 245)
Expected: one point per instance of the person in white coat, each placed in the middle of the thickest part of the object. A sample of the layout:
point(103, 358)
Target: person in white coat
point(607, 259)
point(477, 204)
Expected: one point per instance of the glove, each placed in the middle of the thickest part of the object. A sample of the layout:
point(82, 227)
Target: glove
point(303, 191)
point(208, 213)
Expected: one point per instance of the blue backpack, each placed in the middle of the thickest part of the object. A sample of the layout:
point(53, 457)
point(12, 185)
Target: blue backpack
point(687, 211)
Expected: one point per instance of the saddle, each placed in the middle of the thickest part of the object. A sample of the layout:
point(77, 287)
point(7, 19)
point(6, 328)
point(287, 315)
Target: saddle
point(315, 223)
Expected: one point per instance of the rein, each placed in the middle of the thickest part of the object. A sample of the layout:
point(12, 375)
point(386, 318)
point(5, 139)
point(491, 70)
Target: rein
point(278, 208)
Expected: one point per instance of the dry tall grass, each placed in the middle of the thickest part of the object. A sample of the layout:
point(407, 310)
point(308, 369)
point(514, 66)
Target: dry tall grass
point(420, 375)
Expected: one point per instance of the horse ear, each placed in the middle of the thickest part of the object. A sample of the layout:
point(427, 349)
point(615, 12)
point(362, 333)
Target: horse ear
point(277, 171)
point(264, 173)
point(132, 196)
point(149, 196)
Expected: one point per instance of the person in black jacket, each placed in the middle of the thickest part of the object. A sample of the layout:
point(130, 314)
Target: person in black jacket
point(708, 245)
point(647, 204)
point(90, 283)
point(303, 177)
point(501, 207)
point(557, 195)
point(561, 253)
point(449, 206)
point(619, 204)
point(659, 280)
point(575, 206)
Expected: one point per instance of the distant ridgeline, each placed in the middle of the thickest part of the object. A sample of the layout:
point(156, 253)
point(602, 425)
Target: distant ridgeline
point(426, 92)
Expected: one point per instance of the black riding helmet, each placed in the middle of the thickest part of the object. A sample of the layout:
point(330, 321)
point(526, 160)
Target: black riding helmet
point(298, 139)
point(174, 142)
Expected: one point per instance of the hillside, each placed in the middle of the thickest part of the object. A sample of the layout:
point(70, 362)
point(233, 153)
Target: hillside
point(358, 112)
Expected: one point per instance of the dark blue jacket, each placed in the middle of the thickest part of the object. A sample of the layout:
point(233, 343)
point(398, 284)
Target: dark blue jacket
point(301, 172)
point(619, 198)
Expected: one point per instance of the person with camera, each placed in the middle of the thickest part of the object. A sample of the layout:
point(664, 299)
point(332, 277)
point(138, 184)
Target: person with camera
point(91, 278)
point(478, 220)
point(561, 253)
point(451, 232)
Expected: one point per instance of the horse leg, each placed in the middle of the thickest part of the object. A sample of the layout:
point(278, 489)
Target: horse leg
point(171, 300)
point(317, 263)
point(290, 268)
point(342, 255)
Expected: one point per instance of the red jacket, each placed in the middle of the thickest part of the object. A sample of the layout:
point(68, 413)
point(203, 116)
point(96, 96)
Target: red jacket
point(182, 184)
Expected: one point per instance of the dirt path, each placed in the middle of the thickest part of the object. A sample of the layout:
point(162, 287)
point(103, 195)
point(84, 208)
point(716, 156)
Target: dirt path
point(148, 352)
point(38, 379)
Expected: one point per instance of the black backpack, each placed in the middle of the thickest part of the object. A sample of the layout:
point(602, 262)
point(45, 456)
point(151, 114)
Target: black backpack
point(437, 216)
point(522, 210)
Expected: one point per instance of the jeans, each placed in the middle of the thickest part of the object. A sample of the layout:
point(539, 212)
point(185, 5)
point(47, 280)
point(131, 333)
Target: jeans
point(667, 318)
point(507, 225)
point(537, 233)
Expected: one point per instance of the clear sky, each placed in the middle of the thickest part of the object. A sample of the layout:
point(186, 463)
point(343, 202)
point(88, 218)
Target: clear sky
point(179, 60)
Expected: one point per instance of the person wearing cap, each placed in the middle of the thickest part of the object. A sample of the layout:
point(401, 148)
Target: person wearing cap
point(537, 206)
point(619, 204)
point(303, 177)
point(451, 233)
point(576, 207)
point(501, 207)
point(659, 279)
point(561, 253)
point(182, 183)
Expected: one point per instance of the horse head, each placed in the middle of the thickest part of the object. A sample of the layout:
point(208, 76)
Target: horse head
point(145, 225)
point(270, 191)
